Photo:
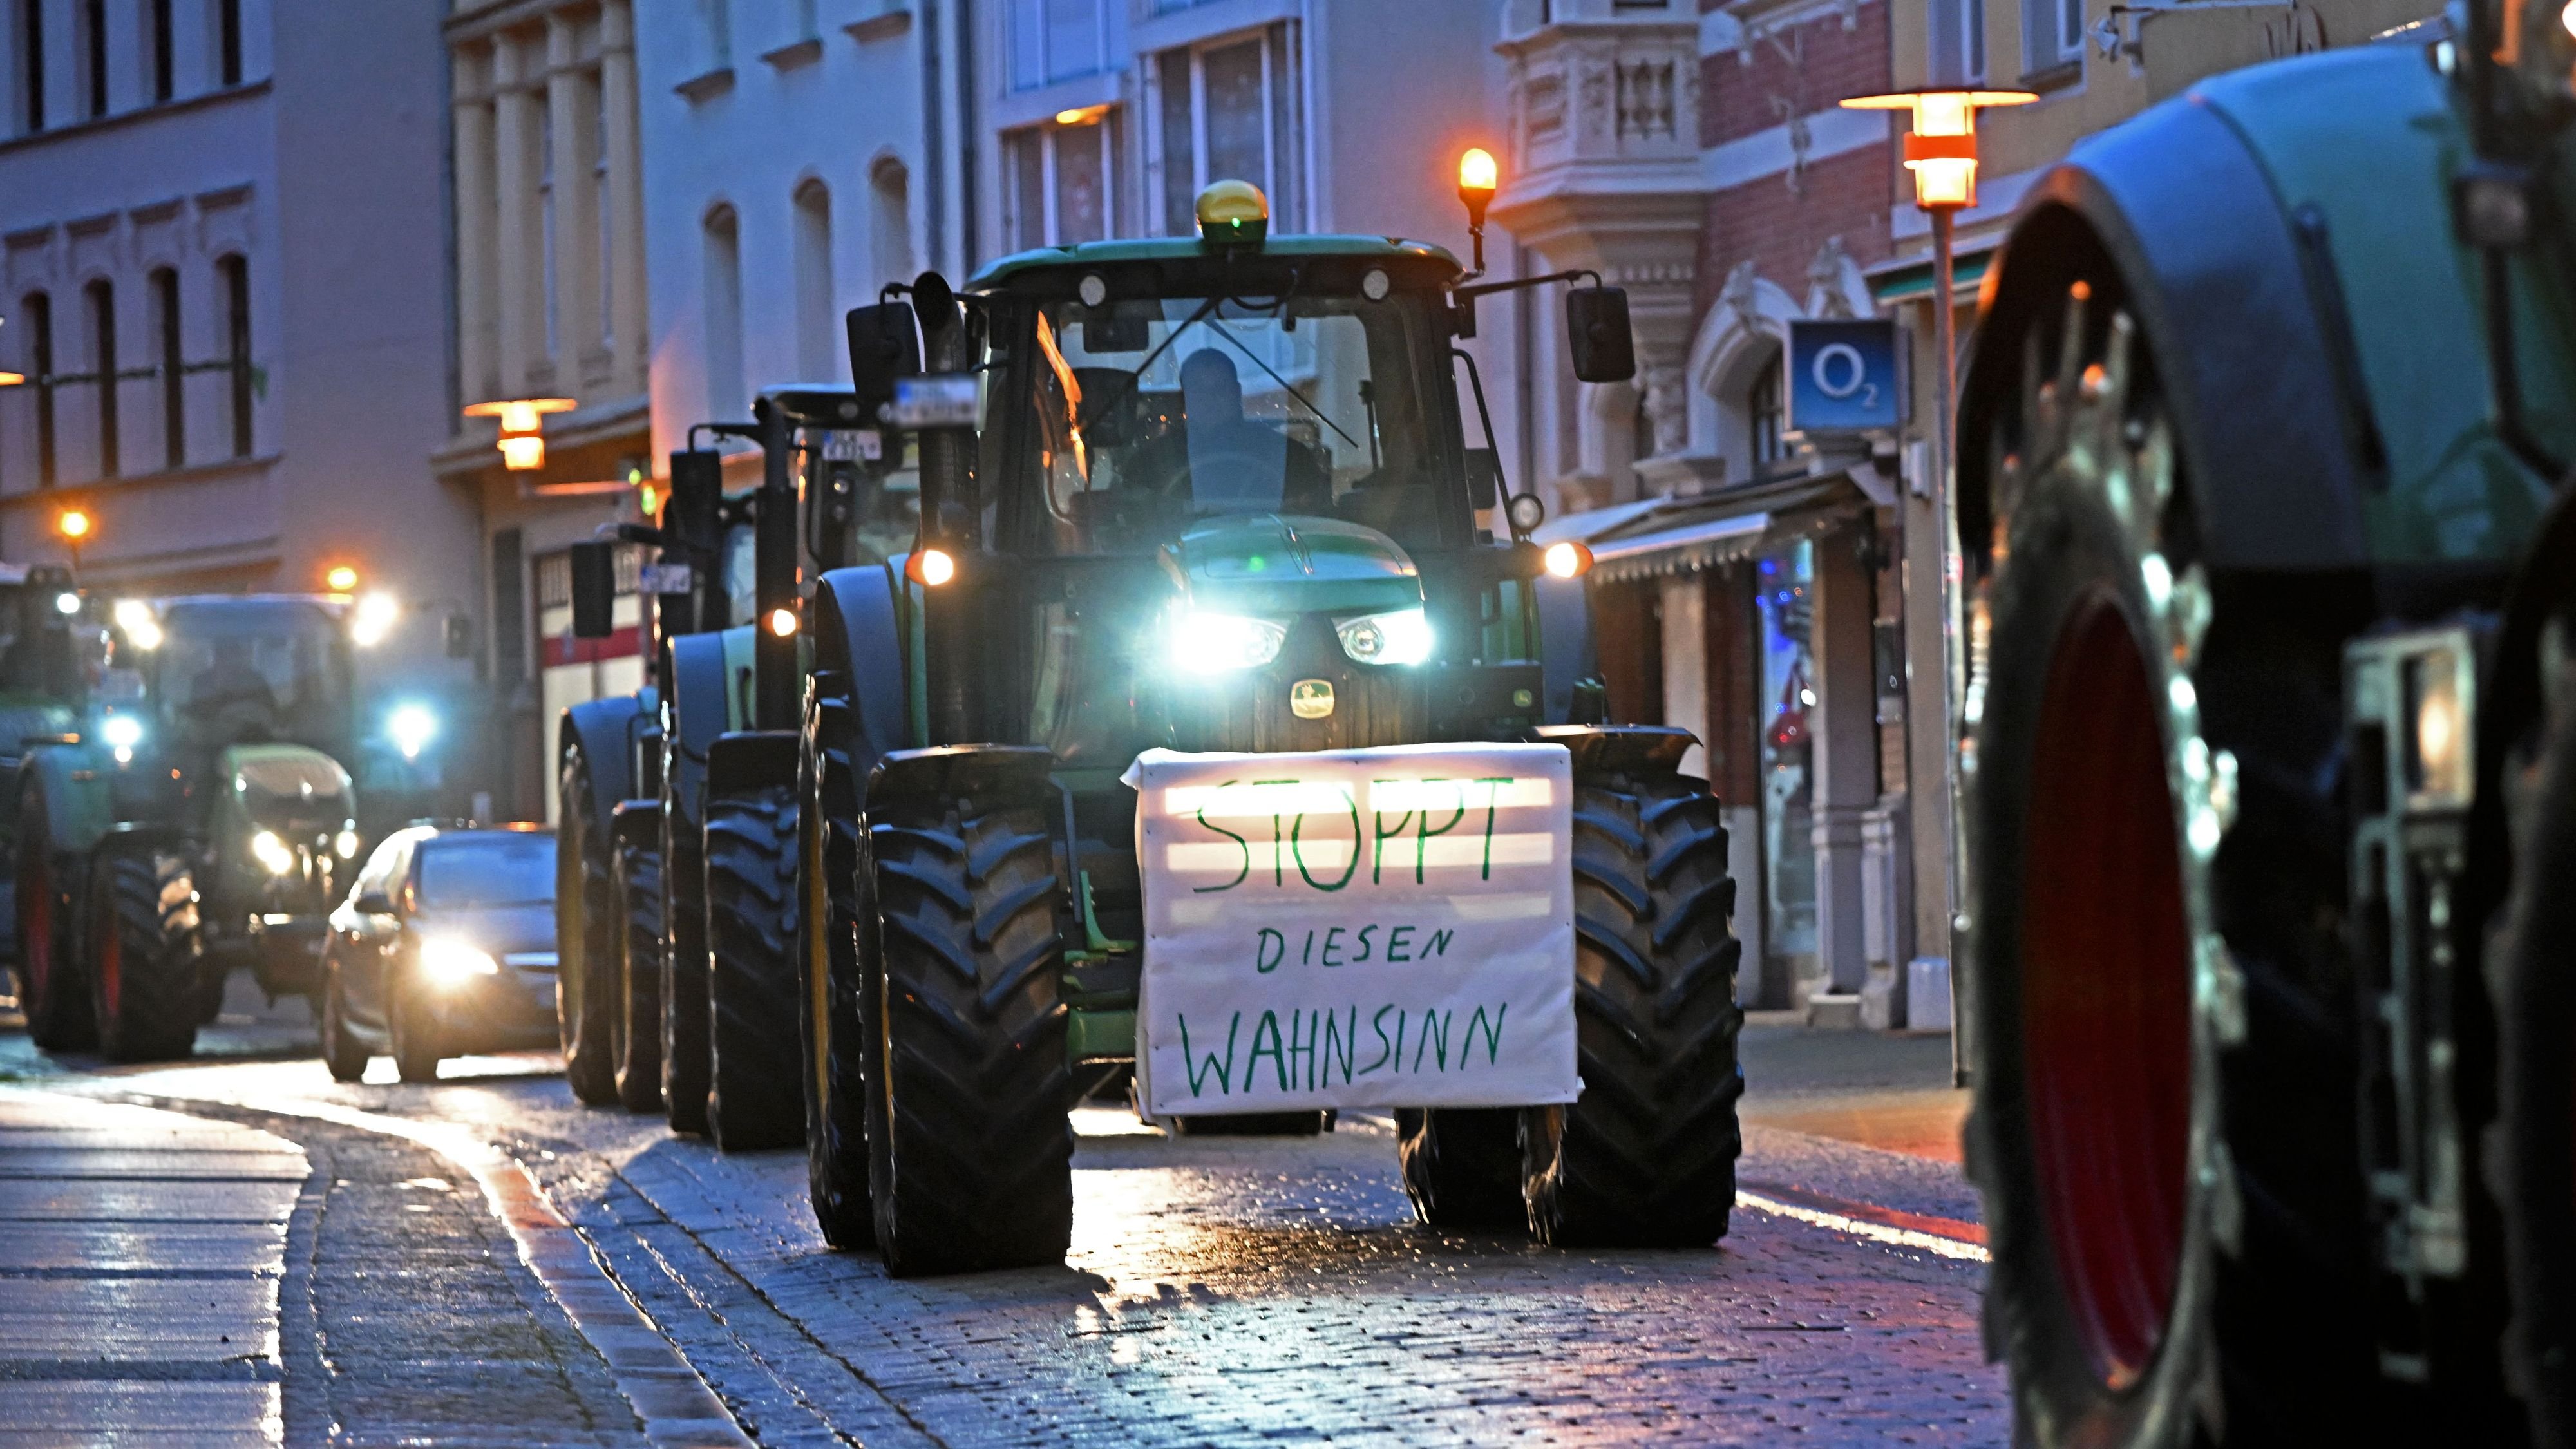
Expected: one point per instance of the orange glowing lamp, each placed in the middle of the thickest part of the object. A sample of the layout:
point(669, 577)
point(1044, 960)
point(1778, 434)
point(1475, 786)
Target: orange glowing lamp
point(73, 524)
point(523, 447)
point(1941, 150)
point(341, 579)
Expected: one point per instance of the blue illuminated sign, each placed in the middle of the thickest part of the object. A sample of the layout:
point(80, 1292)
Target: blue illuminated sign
point(1844, 376)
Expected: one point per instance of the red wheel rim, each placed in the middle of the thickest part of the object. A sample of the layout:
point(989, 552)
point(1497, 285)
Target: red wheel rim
point(2106, 994)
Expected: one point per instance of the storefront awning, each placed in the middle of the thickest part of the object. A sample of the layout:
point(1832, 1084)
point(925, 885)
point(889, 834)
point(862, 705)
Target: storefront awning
point(1685, 535)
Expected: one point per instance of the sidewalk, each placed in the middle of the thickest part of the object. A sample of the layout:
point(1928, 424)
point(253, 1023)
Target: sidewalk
point(141, 1252)
point(1890, 1092)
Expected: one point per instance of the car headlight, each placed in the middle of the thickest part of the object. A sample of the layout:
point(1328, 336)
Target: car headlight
point(272, 852)
point(1400, 637)
point(450, 962)
point(124, 731)
point(1202, 642)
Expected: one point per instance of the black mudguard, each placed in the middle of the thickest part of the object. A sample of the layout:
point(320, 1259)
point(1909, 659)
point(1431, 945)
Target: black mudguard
point(858, 638)
point(694, 715)
point(606, 730)
point(1629, 749)
point(743, 761)
point(999, 772)
point(2243, 320)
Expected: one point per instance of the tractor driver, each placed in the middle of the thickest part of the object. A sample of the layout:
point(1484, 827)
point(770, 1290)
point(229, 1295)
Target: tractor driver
point(1237, 465)
point(231, 679)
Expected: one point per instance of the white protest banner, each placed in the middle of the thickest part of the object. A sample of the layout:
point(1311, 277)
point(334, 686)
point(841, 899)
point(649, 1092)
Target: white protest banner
point(1356, 928)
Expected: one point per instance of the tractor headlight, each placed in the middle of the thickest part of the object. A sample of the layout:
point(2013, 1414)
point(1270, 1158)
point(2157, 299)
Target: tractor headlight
point(411, 728)
point(1203, 642)
point(272, 852)
point(450, 962)
point(121, 731)
point(1400, 637)
point(346, 844)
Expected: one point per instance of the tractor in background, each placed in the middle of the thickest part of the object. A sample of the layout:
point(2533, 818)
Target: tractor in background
point(195, 815)
point(2270, 772)
point(676, 904)
point(1207, 494)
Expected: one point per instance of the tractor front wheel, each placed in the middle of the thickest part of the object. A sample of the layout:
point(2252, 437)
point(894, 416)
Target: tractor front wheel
point(1462, 1166)
point(586, 936)
point(752, 1099)
point(143, 950)
point(684, 972)
point(635, 1031)
point(832, 893)
point(1645, 1158)
point(970, 1145)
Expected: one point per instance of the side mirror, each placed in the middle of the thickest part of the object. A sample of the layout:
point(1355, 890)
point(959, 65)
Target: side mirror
point(1597, 330)
point(594, 590)
point(1484, 478)
point(373, 903)
point(885, 344)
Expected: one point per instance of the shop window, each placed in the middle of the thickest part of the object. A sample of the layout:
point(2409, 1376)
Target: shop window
point(93, 38)
point(1054, 40)
point(1784, 600)
point(1060, 180)
point(1229, 110)
point(31, 65)
point(164, 75)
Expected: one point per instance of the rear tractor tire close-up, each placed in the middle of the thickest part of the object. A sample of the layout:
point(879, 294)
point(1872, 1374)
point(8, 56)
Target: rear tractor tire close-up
point(1645, 1158)
point(970, 1140)
point(685, 1045)
point(2159, 1017)
point(754, 1100)
point(589, 939)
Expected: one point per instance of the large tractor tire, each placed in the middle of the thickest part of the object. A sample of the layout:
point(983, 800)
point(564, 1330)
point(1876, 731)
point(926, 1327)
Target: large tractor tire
point(50, 990)
point(684, 971)
point(589, 935)
point(2160, 1025)
point(1645, 1158)
point(970, 1143)
point(635, 1031)
point(143, 953)
point(831, 889)
point(1462, 1166)
point(2532, 961)
point(753, 1099)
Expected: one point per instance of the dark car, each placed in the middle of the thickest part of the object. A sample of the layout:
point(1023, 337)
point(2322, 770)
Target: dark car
point(445, 946)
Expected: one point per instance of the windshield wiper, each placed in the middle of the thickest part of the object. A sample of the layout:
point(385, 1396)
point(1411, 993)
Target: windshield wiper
point(1284, 385)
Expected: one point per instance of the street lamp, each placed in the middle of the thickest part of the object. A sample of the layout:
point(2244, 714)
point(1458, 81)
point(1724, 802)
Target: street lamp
point(1478, 177)
point(1941, 151)
point(523, 446)
point(74, 525)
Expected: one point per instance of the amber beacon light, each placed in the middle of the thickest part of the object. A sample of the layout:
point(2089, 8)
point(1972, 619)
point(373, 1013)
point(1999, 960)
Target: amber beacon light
point(1478, 177)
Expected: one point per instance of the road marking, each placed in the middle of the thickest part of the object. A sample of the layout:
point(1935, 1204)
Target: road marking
point(1877, 1232)
point(674, 1403)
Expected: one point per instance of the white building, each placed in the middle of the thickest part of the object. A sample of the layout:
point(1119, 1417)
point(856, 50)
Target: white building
point(167, 167)
point(783, 166)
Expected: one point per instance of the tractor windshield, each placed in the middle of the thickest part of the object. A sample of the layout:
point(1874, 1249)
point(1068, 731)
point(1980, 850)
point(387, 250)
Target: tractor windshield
point(1152, 414)
point(271, 669)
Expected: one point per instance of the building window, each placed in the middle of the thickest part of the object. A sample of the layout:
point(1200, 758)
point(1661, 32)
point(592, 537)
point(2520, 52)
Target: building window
point(1762, 414)
point(890, 233)
point(1231, 110)
point(1958, 41)
point(816, 318)
point(101, 295)
point(174, 407)
point(36, 310)
point(235, 272)
point(228, 42)
point(164, 77)
point(31, 64)
point(1060, 182)
point(2053, 33)
point(93, 38)
point(715, 22)
point(1053, 40)
point(726, 394)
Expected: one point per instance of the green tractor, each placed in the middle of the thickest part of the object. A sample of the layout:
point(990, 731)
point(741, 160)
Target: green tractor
point(194, 816)
point(676, 903)
point(1210, 503)
point(2270, 757)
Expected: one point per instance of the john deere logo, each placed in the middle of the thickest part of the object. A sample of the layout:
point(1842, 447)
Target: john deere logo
point(1311, 699)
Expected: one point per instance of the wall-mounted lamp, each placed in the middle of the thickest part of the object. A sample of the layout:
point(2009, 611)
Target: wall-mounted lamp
point(523, 446)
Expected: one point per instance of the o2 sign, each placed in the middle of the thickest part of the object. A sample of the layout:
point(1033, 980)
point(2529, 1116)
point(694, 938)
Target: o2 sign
point(1844, 376)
